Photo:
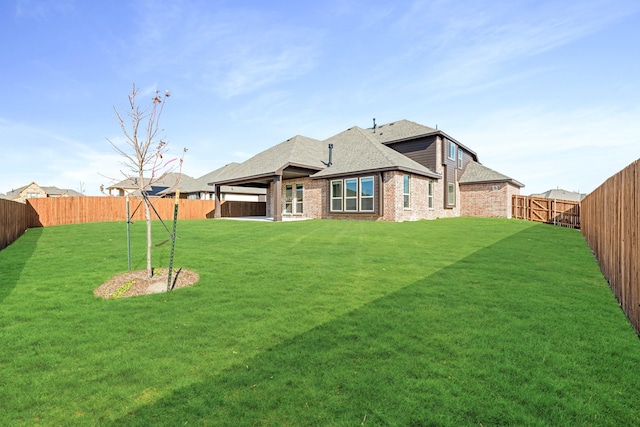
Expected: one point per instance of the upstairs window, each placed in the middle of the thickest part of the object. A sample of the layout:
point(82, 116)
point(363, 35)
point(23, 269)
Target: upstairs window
point(452, 150)
point(459, 158)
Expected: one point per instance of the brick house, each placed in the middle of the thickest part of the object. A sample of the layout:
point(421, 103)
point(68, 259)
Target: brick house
point(400, 171)
point(33, 190)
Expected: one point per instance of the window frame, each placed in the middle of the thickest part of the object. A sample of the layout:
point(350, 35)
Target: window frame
point(452, 150)
point(406, 191)
point(451, 194)
point(460, 158)
point(293, 205)
point(344, 200)
point(430, 194)
point(339, 197)
point(362, 197)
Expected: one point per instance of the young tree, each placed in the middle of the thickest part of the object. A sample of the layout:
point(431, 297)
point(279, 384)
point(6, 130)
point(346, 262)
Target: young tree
point(143, 150)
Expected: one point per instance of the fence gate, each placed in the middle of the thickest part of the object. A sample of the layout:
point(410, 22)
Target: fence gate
point(565, 213)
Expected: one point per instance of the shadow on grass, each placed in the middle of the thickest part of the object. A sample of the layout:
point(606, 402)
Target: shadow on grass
point(13, 259)
point(499, 337)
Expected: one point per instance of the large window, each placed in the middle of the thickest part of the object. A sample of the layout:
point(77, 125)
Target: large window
point(336, 195)
point(352, 195)
point(407, 191)
point(366, 194)
point(430, 195)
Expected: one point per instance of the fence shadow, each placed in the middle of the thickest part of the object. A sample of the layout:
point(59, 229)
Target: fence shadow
point(14, 258)
point(362, 362)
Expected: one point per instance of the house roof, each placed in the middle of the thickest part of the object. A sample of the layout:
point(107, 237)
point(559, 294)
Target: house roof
point(167, 180)
point(356, 150)
point(475, 173)
point(402, 130)
point(299, 151)
point(561, 194)
point(49, 190)
point(201, 184)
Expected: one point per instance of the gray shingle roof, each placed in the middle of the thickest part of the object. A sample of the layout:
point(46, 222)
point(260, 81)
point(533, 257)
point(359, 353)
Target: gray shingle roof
point(477, 173)
point(399, 130)
point(202, 183)
point(561, 195)
point(357, 150)
point(299, 150)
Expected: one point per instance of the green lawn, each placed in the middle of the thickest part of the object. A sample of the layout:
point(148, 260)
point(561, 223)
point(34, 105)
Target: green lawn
point(314, 323)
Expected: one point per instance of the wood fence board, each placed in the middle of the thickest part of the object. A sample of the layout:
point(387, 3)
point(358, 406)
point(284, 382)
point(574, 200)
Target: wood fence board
point(16, 217)
point(565, 213)
point(611, 227)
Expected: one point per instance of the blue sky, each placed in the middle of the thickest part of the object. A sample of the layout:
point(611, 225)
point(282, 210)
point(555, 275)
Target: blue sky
point(547, 92)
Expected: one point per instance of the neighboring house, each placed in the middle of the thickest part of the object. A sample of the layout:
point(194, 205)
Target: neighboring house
point(200, 189)
point(34, 190)
point(394, 172)
point(560, 194)
point(166, 182)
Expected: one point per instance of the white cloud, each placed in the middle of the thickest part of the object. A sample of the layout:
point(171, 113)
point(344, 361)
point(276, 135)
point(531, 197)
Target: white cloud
point(578, 149)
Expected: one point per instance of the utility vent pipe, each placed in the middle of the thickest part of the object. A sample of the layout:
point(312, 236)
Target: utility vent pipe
point(329, 163)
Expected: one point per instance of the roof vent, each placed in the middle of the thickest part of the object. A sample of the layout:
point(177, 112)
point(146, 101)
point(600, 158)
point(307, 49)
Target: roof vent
point(374, 125)
point(329, 163)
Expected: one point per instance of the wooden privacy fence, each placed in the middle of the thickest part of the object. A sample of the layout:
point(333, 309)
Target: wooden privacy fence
point(564, 213)
point(77, 210)
point(15, 219)
point(610, 225)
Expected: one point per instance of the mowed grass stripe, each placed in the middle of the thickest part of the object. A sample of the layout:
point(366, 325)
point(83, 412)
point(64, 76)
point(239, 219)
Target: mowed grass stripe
point(307, 303)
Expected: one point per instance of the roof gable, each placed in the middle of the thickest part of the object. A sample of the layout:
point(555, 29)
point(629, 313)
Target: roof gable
point(476, 173)
point(356, 150)
point(299, 150)
point(399, 130)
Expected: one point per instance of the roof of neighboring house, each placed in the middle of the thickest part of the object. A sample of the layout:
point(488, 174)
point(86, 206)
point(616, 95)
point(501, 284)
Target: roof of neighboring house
point(51, 191)
point(299, 151)
point(475, 173)
point(561, 194)
point(356, 150)
point(201, 184)
point(165, 182)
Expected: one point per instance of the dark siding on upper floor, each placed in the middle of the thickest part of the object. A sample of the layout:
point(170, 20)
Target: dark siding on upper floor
point(421, 150)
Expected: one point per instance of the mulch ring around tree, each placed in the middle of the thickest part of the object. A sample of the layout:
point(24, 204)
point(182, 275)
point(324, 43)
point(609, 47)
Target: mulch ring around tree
point(134, 283)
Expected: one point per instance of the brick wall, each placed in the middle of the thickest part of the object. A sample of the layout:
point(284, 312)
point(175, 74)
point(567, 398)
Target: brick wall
point(487, 199)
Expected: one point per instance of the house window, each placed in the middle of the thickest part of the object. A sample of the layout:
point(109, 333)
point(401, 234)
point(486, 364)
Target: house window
point(452, 150)
point(299, 197)
point(352, 195)
point(406, 191)
point(452, 195)
point(293, 198)
point(459, 158)
point(336, 195)
point(366, 194)
point(430, 195)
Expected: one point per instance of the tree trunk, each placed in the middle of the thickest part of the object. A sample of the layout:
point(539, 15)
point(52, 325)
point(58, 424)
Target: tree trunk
point(147, 214)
